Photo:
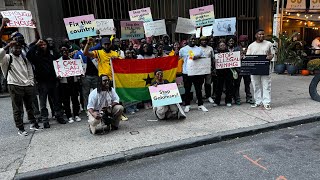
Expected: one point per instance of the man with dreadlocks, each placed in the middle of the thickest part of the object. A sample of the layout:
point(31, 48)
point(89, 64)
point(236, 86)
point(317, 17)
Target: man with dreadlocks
point(104, 110)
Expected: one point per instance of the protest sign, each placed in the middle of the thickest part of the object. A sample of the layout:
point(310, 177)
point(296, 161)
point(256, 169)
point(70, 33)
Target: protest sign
point(143, 14)
point(200, 66)
point(80, 26)
point(132, 30)
point(155, 28)
point(18, 18)
point(255, 65)
point(165, 94)
point(202, 16)
point(224, 26)
point(105, 26)
point(206, 31)
point(185, 26)
point(228, 60)
point(68, 68)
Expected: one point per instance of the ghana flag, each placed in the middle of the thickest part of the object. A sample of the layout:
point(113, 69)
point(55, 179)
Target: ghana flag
point(132, 77)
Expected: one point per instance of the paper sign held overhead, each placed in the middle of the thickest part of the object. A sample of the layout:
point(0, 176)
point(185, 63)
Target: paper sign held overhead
point(80, 26)
point(185, 26)
point(202, 16)
point(206, 31)
point(155, 28)
point(132, 30)
point(165, 94)
point(143, 14)
point(105, 26)
point(224, 26)
point(68, 68)
point(18, 18)
point(228, 60)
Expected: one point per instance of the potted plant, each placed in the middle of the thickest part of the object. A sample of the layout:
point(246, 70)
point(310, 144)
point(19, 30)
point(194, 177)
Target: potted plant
point(314, 66)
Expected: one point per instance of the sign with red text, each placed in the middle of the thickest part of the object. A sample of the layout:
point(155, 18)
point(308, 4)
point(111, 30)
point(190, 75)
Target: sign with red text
point(228, 60)
point(202, 16)
point(296, 5)
point(18, 18)
point(68, 68)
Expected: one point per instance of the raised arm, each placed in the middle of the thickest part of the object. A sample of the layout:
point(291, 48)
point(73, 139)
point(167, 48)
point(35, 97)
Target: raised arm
point(36, 32)
point(3, 25)
point(86, 51)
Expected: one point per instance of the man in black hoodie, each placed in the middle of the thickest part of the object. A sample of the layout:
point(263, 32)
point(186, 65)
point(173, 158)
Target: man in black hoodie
point(42, 60)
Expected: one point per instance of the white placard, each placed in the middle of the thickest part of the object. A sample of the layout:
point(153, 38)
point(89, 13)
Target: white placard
point(200, 66)
point(228, 60)
point(185, 26)
point(68, 68)
point(105, 26)
point(155, 28)
point(18, 18)
point(224, 26)
point(206, 31)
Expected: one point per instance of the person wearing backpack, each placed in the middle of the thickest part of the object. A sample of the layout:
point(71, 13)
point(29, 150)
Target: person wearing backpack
point(20, 79)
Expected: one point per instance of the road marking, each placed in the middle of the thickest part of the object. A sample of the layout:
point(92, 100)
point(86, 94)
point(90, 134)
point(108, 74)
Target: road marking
point(255, 162)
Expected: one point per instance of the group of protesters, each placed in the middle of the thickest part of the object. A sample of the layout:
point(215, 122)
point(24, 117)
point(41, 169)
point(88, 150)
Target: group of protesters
point(32, 81)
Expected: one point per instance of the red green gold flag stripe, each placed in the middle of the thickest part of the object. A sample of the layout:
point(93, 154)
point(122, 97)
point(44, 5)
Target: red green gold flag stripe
point(132, 77)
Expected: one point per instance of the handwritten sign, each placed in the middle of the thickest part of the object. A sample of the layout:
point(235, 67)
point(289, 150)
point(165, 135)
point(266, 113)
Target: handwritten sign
point(18, 18)
point(206, 31)
point(141, 15)
point(200, 66)
point(155, 28)
point(185, 26)
point(165, 94)
point(80, 26)
point(296, 5)
point(224, 26)
point(132, 30)
point(202, 16)
point(228, 60)
point(105, 26)
point(68, 68)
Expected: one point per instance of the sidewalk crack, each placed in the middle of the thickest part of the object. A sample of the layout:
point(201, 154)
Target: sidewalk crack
point(255, 116)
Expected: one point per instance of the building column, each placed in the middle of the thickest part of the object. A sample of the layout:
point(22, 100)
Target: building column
point(265, 16)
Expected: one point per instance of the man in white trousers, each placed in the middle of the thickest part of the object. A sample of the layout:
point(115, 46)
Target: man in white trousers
point(261, 83)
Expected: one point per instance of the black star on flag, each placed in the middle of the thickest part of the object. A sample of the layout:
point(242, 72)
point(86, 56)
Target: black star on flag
point(148, 80)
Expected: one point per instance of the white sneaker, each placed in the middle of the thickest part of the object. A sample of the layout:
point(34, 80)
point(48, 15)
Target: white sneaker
point(255, 105)
point(70, 120)
point(210, 100)
point(267, 107)
point(214, 104)
point(229, 104)
point(202, 108)
point(187, 109)
point(77, 118)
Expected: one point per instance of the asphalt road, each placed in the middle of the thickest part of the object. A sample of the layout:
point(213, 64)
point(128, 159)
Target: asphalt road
point(287, 154)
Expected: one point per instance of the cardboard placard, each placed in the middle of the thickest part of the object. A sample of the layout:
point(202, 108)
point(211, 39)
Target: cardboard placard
point(200, 66)
point(80, 26)
point(18, 18)
point(155, 28)
point(165, 94)
point(143, 14)
point(68, 68)
point(202, 16)
point(132, 30)
point(105, 26)
point(185, 26)
point(228, 60)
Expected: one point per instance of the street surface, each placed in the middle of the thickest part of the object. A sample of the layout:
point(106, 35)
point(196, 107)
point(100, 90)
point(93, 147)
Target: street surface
point(287, 154)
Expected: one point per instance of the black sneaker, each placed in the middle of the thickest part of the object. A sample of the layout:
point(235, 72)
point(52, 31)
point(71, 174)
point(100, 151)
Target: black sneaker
point(46, 125)
point(35, 127)
point(114, 128)
point(61, 121)
point(22, 132)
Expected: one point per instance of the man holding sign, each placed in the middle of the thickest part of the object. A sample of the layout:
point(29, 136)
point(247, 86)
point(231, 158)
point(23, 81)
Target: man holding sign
point(261, 83)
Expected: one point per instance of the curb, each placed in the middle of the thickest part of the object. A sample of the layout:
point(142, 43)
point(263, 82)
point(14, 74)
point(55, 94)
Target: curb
point(139, 153)
point(4, 95)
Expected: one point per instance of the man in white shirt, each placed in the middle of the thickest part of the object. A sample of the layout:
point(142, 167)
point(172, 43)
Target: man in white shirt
point(19, 74)
point(189, 53)
point(103, 107)
point(261, 83)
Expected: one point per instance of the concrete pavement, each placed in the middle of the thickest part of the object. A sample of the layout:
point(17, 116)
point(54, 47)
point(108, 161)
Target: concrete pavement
point(68, 149)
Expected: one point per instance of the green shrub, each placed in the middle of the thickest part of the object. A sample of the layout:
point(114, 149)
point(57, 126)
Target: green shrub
point(313, 64)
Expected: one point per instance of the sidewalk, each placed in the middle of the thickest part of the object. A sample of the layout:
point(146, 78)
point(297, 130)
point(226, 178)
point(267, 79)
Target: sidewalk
point(68, 149)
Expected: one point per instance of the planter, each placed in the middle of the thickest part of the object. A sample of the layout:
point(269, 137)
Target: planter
point(292, 69)
point(305, 72)
point(280, 68)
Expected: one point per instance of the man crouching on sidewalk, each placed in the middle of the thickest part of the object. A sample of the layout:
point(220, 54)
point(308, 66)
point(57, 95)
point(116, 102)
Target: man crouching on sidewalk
point(104, 110)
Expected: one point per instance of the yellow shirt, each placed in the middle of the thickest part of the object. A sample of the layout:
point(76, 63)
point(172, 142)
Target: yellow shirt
point(180, 62)
point(103, 57)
